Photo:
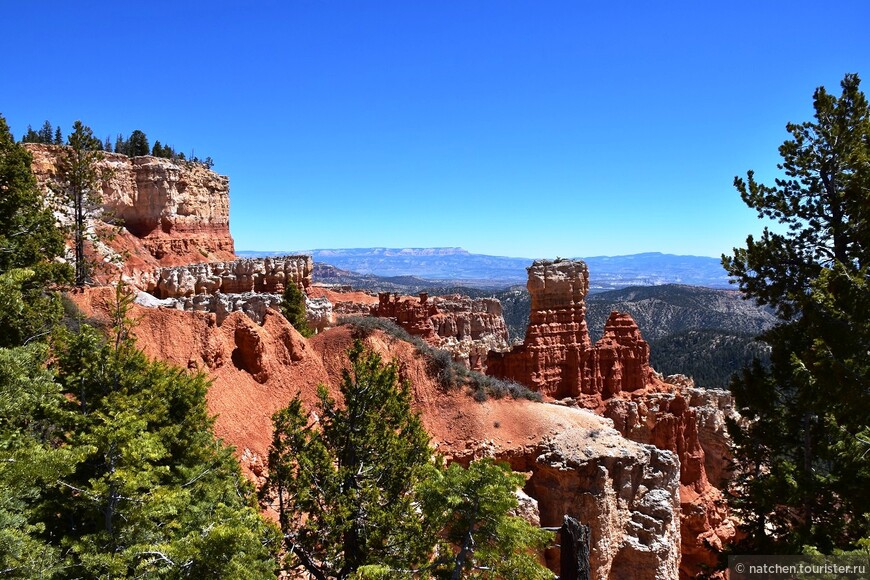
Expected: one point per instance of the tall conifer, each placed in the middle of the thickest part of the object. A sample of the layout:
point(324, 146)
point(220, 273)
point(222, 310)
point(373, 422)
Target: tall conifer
point(801, 480)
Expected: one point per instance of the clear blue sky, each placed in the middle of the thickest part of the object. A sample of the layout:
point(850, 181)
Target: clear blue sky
point(527, 129)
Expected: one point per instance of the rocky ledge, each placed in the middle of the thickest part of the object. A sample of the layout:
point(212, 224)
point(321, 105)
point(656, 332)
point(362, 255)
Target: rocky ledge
point(250, 286)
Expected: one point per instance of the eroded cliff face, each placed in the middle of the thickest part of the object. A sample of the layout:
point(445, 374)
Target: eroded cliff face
point(250, 286)
point(469, 328)
point(628, 496)
point(263, 275)
point(576, 463)
point(172, 212)
point(679, 420)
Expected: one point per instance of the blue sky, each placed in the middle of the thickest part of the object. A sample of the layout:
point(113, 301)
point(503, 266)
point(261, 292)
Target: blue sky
point(529, 129)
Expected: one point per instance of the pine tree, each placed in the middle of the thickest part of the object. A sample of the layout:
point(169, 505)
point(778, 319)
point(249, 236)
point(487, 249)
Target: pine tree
point(293, 309)
point(46, 134)
point(343, 480)
point(30, 460)
point(473, 509)
point(138, 144)
point(29, 244)
point(359, 494)
point(803, 480)
point(152, 492)
point(31, 136)
point(58, 136)
point(79, 189)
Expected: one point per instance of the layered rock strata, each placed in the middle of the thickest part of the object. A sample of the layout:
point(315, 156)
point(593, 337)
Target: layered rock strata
point(629, 497)
point(172, 212)
point(467, 327)
point(260, 275)
point(250, 286)
point(679, 421)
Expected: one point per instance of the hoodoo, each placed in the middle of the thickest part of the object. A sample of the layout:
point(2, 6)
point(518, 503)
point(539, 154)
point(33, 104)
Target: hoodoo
point(557, 357)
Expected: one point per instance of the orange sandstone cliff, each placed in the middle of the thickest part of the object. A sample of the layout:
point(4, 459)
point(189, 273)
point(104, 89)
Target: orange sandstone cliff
point(469, 328)
point(172, 212)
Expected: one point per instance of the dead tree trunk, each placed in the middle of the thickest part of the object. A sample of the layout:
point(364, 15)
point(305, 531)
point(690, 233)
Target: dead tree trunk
point(574, 539)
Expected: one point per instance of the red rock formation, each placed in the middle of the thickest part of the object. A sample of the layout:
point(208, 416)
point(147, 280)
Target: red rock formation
point(557, 358)
point(172, 212)
point(619, 361)
point(463, 318)
point(577, 464)
point(410, 315)
point(668, 421)
point(255, 369)
point(614, 377)
point(468, 328)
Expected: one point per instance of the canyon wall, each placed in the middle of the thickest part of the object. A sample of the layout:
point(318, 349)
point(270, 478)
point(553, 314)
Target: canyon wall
point(172, 212)
point(689, 422)
point(250, 286)
point(262, 275)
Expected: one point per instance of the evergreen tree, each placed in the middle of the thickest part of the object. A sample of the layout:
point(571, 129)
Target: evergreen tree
point(359, 495)
point(472, 508)
point(107, 145)
point(79, 188)
point(58, 136)
point(120, 145)
point(343, 481)
point(30, 460)
point(31, 136)
point(157, 149)
point(293, 309)
point(29, 244)
point(152, 493)
point(46, 134)
point(138, 144)
point(803, 472)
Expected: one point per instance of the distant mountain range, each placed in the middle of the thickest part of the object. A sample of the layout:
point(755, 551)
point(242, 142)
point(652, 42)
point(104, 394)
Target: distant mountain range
point(456, 266)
